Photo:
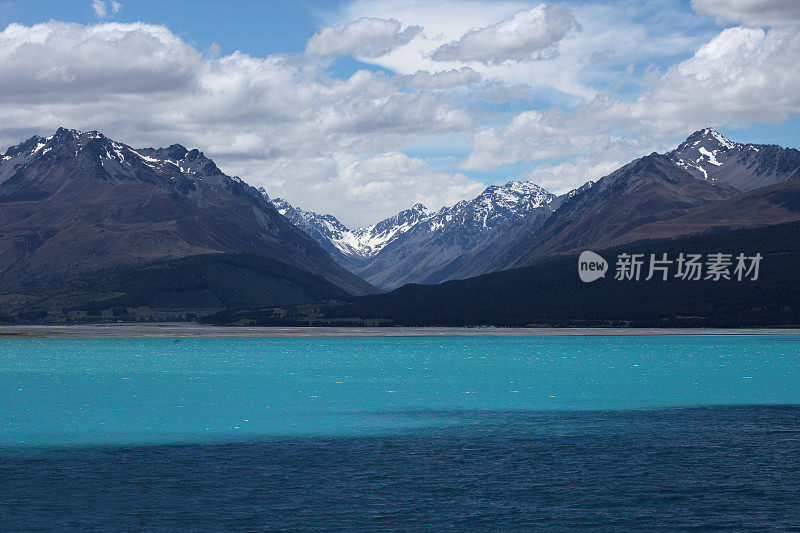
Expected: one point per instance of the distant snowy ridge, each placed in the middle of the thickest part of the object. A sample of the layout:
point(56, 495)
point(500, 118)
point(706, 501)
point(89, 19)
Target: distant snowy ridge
point(495, 205)
point(474, 236)
point(360, 243)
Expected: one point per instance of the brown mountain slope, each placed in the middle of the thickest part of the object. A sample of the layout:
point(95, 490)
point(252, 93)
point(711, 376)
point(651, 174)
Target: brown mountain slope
point(766, 206)
point(76, 203)
point(647, 190)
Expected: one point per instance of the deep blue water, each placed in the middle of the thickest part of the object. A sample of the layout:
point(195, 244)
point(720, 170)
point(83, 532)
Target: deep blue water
point(614, 433)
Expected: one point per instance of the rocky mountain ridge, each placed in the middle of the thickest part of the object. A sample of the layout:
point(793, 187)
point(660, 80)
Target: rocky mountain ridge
point(398, 249)
point(78, 202)
point(513, 224)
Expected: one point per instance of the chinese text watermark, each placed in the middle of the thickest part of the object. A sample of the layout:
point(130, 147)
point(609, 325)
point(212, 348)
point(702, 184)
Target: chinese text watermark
point(689, 267)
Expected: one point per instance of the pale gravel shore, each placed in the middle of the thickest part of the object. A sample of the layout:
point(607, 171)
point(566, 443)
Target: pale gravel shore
point(185, 330)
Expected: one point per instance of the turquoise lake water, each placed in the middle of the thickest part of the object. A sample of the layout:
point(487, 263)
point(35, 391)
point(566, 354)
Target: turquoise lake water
point(151, 391)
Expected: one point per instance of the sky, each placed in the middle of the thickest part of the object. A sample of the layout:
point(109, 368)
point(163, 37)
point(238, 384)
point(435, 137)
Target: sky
point(363, 108)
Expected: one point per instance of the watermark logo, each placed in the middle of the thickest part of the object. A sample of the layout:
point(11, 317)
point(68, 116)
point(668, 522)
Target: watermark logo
point(591, 266)
point(662, 267)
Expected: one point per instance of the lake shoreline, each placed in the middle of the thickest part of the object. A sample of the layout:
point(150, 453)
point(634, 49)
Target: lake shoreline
point(188, 330)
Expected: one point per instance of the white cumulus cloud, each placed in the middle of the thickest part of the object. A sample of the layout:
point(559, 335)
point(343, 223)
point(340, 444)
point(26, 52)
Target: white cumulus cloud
point(528, 34)
point(99, 7)
point(70, 60)
point(741, 77)
point(445, 79)
point(625, 36)
point(563, 177)
point(366, 37)
point(271, 120)
point(388, 183)
point(751, 12)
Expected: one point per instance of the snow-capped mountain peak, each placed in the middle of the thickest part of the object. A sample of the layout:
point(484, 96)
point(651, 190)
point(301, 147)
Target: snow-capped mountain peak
point(93, 144)
point(497, 204)
point(339, 240)
point(309, 221)
point(515, 194)
point(708, 138)
point(702, 151)
point(707, 155)
point(176, 164)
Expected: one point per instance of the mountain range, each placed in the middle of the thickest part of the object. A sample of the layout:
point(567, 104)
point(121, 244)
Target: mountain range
point(90, 223)
point(549, 293)
point(707, 182)
point(76, 203)
point(418, 245)
point(690, 190)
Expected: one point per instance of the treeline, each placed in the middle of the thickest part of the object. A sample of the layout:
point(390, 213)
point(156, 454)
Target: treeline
point(238, 289)
point(214, 281)
point(550, 293)
point(178, 289)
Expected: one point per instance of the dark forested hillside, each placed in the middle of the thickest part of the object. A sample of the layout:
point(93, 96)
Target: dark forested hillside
point(550, 293)
point(172, 289)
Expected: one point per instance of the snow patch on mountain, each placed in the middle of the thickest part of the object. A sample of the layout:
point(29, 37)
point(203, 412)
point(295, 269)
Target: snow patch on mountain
point(175, 164)
point(702, 151)
point(495, 205)
point(360, 243)
point(707, 155)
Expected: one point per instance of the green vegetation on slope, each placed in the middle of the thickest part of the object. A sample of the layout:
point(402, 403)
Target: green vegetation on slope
point(172, 289)
point(238, 289)
point(550, 293)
